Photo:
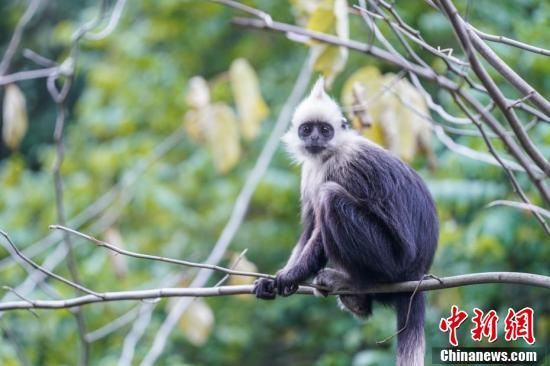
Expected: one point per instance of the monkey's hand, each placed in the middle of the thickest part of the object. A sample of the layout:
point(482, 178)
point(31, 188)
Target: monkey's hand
point(286, 282)
point(264, 288)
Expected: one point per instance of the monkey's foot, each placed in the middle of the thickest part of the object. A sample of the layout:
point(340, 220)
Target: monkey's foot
point(322, 288)
point(330, 280)
point(264, 288)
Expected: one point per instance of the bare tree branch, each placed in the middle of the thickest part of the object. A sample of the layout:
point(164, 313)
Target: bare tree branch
point(517, 278)
point(467, 38)
point(512, 178)
point(377, 52)
point(454, 65)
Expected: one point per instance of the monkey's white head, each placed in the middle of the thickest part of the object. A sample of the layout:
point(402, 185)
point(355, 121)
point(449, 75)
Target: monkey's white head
point(319, 129)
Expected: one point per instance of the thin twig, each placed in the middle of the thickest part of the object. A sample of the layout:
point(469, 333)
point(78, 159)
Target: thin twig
point(521, 206)
point(17, 34)
point(17, 294)
point(510, 42)
point(409, 307)
point(159, 258)
point(38, 59)
point(47, 272)
point(245, 8)
point(113, 22)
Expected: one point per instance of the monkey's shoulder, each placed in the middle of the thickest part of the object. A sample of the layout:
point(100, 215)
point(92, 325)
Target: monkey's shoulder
point(373, 170)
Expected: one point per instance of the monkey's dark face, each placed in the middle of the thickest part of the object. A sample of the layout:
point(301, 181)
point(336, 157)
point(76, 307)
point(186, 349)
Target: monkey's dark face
point(315, 135)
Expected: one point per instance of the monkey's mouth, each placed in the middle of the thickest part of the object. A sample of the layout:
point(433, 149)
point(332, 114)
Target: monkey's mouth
point(315, 149)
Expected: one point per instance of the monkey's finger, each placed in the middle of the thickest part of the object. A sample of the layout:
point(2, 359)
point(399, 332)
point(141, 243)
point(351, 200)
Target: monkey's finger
point(280, 286)
point(289, 289)
point(320, 293)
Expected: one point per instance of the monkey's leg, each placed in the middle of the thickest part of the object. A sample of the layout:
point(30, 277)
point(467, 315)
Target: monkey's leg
point(358, 305)
point(361, 239)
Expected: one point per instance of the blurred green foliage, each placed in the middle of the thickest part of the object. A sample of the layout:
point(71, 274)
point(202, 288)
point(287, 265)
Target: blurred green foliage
point(129, 96)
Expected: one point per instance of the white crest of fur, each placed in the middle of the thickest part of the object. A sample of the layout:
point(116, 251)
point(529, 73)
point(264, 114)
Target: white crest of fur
point(318, 106)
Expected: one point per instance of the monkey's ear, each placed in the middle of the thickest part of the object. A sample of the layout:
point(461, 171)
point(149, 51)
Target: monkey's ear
point(318, 90)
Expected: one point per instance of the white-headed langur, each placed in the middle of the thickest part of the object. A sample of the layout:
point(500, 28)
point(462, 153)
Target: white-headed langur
point(365, 213)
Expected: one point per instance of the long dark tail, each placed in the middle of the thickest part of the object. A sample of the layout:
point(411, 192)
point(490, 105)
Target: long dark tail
point(410, 341)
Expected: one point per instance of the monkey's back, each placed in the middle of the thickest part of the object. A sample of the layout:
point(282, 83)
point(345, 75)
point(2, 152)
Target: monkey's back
point(392, 196)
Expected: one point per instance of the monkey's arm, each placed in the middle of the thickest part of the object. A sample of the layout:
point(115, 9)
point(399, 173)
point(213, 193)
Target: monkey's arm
point(307, 230)
point(311, 260)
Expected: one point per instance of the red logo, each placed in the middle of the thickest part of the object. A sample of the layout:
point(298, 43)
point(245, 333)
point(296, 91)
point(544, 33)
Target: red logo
point(452, 323)
point(519, 325)
point(516, 325)
point(485, 325)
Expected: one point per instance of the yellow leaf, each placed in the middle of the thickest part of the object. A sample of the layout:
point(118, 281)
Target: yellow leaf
point(215, 125)
point(302, 9)
point(15, 121)
point(369, 76)
point(197, 322)
point(192, 125)
point(415, 132)
point(222, 136)
point(198, 95)
point(322, 20)
point(330, 60)
point(370, 80)
point(242, 264)
point(251, 106)
point(396, 110)
point(420, 125)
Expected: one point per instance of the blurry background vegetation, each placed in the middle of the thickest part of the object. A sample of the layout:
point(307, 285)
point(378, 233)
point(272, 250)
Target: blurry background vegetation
point(130, 94)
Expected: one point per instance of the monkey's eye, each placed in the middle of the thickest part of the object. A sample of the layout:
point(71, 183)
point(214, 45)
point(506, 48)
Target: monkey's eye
point(326, 130)
point(305, 130)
